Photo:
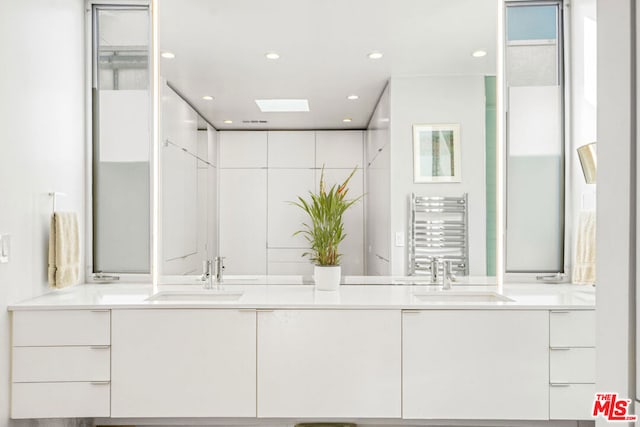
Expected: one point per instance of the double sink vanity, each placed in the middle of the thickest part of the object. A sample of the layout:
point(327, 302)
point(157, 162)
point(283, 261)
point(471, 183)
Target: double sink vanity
point(273, 349)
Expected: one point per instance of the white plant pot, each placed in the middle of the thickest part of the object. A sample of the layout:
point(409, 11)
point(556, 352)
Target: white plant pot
point(327, 277)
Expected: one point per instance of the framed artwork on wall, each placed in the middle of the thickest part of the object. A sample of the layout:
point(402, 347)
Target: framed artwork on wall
point(436, 153)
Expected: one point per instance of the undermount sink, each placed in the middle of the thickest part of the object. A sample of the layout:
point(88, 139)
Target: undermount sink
point(197, 295)
point(445, 296)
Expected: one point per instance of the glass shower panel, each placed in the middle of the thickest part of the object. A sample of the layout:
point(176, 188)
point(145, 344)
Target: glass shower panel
point(121, 140)
point(535, 140)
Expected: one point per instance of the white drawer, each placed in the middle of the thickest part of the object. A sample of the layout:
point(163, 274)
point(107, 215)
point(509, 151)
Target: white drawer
point(572, 328)
point(60, 400)
point(61, 327)
point(571, 401)
point(572, 365)
point(48, 364)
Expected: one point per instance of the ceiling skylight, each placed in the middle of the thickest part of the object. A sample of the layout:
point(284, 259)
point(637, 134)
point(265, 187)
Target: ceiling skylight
point(283, 105)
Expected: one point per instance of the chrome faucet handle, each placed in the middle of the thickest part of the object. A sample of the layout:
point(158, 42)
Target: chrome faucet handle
point(448, 276)
point(206, 273)
point(218, 268)
point(435, 267)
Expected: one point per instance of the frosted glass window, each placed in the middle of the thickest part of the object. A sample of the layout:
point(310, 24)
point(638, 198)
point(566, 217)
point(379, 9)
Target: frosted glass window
point(121, 140)
point(535, 139)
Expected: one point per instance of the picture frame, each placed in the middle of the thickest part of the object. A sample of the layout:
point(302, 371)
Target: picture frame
point(436, 153)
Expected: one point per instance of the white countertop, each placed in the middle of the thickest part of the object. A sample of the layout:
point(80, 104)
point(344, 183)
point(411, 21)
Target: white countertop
point(358, 293)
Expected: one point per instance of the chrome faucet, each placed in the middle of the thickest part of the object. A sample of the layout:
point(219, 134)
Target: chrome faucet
point(447, 277)
point(206, 274)
point(434, 267)
point(218, 268)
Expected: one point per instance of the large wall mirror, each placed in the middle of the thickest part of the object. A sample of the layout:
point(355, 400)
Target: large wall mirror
point(228, 166)
point(369, 72)
point(254, 103)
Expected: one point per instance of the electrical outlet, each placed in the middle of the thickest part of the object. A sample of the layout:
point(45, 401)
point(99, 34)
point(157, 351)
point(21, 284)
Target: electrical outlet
point(399, 239)
point(5, 248)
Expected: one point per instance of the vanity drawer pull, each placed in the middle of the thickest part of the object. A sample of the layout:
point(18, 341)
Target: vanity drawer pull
point(99, 347)
point(246, 310)
point(560, 384)
point(264, 310)
point(100, 382)
point(411, 311)
point(560, 312)
point(560, 348)
point(100, 311)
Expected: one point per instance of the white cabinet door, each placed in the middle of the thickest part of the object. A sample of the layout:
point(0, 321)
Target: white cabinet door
point(472, 364)
point(243, 149)
point(339, 149)
point(291, 149)
point(60, 400)
point(284, 219)
point(323, 363)
point(243, 220)
point(179, 121)
point(378, 234)
point(179, 205)
point(183, 363)
point(352, 247)
point(61, 327)
point(571, 401)
point(288, 261)
point(572, 328)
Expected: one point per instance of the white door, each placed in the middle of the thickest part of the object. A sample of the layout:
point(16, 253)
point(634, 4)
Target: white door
point(284, 218)
point(324, 363)
point(183, 363)
point(472, 364)
point(243, 220)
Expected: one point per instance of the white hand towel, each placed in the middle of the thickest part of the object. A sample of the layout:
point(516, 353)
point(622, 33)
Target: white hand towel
point(64, 250)
point(584, 264)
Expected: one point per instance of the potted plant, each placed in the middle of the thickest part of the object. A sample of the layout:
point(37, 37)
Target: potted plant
point(325, 230)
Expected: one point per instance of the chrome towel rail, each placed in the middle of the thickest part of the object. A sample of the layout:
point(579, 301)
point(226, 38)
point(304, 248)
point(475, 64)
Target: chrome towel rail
point(438, 228)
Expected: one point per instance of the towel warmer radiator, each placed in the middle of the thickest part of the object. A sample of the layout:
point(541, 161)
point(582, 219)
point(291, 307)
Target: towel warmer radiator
point(438, 228)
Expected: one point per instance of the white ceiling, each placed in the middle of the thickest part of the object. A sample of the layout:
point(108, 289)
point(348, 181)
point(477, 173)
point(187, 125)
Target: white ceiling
point(323, 46)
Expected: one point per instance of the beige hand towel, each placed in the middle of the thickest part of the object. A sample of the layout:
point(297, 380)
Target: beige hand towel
point(64, 250)
point(584, 263)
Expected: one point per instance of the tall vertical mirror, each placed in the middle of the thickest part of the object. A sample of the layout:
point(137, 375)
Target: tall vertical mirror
point(121, 139)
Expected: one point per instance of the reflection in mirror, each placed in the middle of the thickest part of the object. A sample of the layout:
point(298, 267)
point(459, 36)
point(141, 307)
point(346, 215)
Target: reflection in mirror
point(550, 208)
point(535, 161)
point(121, 140)
point(229, 168)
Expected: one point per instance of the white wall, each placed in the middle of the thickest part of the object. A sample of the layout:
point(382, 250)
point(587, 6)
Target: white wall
point(269, 169)
point(377, 182)
point(42, 146)
point(616, 193)
point(188, 188)
point(446, 99)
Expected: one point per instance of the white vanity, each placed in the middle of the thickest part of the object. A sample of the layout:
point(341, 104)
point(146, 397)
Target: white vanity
point(289, 352)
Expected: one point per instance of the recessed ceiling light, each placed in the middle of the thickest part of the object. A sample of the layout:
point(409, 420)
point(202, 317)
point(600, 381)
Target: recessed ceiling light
point(271, 55)
point(352, 97)
point(168, 55)
point(375, 55)
point(208, 98)
point(347, 120)
point(227, 122)
point(479, 53)
point(283, 105)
